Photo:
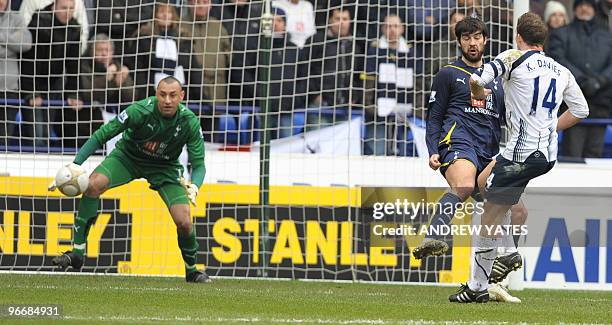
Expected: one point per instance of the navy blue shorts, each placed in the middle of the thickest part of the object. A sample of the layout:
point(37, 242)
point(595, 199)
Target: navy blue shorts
point(508, 179)
point(450, 154)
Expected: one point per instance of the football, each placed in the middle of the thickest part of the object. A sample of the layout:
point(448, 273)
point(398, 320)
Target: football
point(72, 180)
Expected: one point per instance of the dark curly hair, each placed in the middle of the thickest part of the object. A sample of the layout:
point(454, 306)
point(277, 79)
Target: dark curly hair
point(470, 25)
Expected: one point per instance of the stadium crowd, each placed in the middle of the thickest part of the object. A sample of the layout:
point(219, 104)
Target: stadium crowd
point(335, 58)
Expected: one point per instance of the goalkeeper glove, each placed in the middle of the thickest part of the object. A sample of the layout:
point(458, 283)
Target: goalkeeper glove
point(191, 190)
point(72, 166)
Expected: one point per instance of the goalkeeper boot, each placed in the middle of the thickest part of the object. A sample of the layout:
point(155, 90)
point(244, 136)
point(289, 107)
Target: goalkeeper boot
point(68, 259)
point(467, 295)
point(430, 247)
point(197, 277)
point(503, 265)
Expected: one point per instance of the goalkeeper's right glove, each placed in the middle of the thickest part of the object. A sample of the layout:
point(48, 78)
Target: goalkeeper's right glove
point(191, 190)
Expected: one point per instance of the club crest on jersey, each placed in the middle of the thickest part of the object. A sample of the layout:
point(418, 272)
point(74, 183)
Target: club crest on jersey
point(178, 129)
point(432, 97)
point(122, 117)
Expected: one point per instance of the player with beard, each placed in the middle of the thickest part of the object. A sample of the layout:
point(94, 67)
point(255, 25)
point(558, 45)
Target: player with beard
point(463, 136)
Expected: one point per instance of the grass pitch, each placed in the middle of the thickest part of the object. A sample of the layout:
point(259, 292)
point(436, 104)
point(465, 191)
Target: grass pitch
point(105, 299)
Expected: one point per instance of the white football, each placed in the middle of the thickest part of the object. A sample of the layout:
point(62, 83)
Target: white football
point(72, 180)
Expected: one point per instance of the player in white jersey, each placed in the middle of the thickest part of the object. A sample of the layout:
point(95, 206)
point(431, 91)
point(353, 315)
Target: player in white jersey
point(535, 86)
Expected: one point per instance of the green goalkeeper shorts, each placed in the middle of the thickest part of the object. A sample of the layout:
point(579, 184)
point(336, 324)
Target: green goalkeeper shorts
point(165, 179)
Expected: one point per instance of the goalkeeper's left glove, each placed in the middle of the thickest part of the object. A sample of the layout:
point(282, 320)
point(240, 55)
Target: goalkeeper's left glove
point(191, 190)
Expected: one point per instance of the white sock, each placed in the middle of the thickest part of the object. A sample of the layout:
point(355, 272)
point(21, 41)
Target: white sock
point(508, 238)
point(482, 264)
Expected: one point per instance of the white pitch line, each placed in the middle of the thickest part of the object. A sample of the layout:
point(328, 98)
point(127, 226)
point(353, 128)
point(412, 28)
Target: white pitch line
point(274, 320)
point(225, 320)
point(53, 287)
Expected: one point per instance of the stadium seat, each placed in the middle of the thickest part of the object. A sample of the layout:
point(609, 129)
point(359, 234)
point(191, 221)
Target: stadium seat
point(227, 130)
point(248, 126)
point(299, 121)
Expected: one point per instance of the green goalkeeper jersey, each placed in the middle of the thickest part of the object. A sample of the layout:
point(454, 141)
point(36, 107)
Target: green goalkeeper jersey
point(151, 139)
point(148, 137)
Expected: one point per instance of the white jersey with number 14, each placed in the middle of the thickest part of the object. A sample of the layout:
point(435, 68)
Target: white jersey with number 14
point(535, 85)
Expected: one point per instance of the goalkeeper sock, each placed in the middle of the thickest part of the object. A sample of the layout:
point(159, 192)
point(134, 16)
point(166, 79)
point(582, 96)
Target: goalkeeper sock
point(444, 216)
point(189, 249)
point(484, 256)
point(88, 211)
point(507, 237)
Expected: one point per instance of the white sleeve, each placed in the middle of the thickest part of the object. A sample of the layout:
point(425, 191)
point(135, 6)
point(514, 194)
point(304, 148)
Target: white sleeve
point(574, 99)
point(500, 67)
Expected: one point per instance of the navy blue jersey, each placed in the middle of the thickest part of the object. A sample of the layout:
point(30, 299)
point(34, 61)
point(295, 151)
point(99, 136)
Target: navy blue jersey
point(453, 117)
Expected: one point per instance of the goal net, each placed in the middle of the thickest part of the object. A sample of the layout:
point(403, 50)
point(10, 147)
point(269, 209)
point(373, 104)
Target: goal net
point(309, 118)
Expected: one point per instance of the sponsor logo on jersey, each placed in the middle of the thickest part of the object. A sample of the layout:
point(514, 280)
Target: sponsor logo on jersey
point(151, 146)
point(482, 107)
point(480, 103)
point(461, 80)
point(122, 117)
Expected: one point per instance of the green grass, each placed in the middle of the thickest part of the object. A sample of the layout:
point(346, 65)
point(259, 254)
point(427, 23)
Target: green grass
point(171, 300)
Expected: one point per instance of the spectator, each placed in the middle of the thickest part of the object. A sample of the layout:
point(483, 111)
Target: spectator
point(334, 81)
point(428, 14)
point(470, 8)
point(323, 9)
point(391, 68)
point(604, 13)
point(29, 7)
point(15, 38)
point(211, 47)
point(447, 49)
point(497, 15)
point(586, 49)
point(555, 15)
point(104, 83)
point(156, 51)
point(49, 70)
point(537, 6)
point(241, 19)
point(300, 20)
point(287, 88)
point(370, 15)
point(443, 52)
point(238, 15)
point(120, 19)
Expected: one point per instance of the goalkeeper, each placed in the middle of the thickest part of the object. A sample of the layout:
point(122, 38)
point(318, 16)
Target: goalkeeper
point(154, 132)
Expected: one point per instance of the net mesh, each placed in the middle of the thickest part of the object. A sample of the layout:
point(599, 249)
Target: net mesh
point(347, 80)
